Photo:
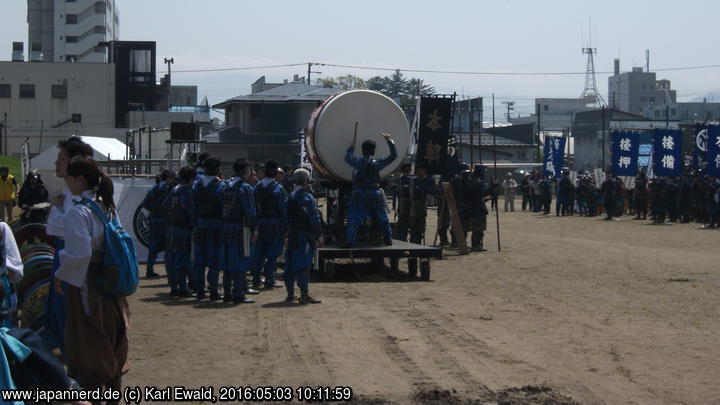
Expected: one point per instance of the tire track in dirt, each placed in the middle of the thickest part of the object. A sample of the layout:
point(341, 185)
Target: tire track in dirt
point(261, 368)
point(436, 336)
point(399, 357)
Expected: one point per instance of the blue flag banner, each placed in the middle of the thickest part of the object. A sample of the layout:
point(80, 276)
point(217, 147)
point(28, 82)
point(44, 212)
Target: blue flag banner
point(625, 152)
point(548, 157)
point(559, 146)
point(554, 152)
point(712, 156)
point(667, 148)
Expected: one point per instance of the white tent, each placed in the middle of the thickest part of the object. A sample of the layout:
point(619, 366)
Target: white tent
point(102, 148)
point(129, 192)
point(45, 161)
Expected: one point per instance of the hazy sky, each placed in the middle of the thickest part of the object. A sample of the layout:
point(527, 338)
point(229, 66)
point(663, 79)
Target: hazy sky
point(479, 35)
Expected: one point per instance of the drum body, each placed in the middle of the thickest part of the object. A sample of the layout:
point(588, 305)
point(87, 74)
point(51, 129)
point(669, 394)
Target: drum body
point(331, 128)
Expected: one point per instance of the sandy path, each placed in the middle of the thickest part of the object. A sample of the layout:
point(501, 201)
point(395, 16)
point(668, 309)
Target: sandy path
point(580, 305)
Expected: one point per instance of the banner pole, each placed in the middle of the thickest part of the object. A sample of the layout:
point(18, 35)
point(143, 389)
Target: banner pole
point(497, 208)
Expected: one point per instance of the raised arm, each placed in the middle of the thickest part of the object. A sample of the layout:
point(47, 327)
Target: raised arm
point(351, 159)
point(384, 162)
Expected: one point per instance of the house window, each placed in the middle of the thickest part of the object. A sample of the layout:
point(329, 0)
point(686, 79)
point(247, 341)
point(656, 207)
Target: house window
point(652, 99)
point(71, 39)
point(58, 91)
point(70, 58)
point(546, 107)
point(657, 114)
point(5, 91)
point(672, 112)
point(71, 19)
point(27, 91)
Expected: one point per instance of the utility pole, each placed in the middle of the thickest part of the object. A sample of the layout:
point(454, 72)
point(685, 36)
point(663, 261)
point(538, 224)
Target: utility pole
point(539, 153)
point(510, 105)
point(603, 139)
point(470, 133)
point(2, 131)
point(4, 146)
point(310, 71)
point(169, 62)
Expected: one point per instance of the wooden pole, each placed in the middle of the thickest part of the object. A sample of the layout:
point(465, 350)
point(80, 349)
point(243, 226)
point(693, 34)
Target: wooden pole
point(455, 218)
point(497, 207)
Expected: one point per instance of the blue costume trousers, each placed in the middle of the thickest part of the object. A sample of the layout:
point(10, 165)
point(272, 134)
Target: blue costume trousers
point(157, 243)
point(298, 261)
point(266, 255)
point(178, 267)
point(235, 266)
point(357, 214)
point(207, 255)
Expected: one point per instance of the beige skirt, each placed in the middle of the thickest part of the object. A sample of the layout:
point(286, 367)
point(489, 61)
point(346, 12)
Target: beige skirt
point(96, 346)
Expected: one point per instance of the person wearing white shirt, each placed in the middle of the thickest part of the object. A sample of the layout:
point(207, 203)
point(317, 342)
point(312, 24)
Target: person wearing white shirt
point(510, 188)
point(10, 272)
point(63, 203)
point(96, 325)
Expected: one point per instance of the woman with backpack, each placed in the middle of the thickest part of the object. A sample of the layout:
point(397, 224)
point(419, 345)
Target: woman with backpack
point(96, 326)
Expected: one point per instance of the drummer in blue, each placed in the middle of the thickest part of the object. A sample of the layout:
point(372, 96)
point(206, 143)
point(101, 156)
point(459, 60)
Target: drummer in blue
point(367, 198)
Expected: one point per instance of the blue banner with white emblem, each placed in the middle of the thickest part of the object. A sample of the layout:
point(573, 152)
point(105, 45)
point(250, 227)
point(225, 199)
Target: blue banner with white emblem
point(554, 155)
point(625, 151)
point(712, 156)
point(667, 148)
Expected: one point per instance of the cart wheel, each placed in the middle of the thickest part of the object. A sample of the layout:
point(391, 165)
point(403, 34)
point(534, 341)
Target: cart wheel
point(329, 271)
point(425, 270)
point(412, 267)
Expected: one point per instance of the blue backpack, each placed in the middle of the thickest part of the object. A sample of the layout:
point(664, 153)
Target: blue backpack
point(119, 276)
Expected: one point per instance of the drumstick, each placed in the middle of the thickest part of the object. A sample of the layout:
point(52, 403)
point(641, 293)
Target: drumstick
point(355, 134)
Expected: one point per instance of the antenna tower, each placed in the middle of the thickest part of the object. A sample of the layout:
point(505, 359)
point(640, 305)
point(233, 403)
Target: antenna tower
point(590, 94)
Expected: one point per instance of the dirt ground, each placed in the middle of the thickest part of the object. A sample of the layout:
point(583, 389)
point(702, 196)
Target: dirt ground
point(573, 310)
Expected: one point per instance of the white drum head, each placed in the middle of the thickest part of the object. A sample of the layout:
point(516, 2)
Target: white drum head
point(335, 125)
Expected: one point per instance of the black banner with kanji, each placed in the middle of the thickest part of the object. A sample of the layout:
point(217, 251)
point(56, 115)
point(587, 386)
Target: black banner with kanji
point(433, 133)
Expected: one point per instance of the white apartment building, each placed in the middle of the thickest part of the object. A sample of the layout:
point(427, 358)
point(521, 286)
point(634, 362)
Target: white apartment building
point(71, 30)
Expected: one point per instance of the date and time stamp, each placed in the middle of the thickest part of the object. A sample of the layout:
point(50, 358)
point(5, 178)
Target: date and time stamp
point(209, 394)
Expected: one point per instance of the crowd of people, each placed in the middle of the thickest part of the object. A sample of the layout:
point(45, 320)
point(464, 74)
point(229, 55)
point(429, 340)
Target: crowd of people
point(238, 225)
point(691, 197)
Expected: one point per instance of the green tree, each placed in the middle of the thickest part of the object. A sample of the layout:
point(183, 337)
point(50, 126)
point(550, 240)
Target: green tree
point(326, 82)
point(347, 82)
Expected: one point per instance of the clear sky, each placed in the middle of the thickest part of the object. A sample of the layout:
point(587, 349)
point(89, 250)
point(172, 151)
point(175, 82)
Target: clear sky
point(471, 35)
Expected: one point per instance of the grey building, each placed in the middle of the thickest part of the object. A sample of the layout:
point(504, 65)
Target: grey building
point(183, 96)
point(592, 135)
point(685, 112)
point(461, 115)
point(266, 124)
point(513, 144)
point(632, 91)
point(71, 30)
point(556, 114)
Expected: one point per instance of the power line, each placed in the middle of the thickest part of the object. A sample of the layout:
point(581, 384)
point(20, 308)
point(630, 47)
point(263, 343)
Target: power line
point(239, 68)
point(452, 72)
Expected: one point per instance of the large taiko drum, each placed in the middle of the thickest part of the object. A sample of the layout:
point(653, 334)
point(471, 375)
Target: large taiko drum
point(331, 127)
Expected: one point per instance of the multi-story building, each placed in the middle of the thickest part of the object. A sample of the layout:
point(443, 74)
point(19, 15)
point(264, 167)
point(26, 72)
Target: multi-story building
point(71, 30)
point(685, 112)
point(43, 102)
point(632, 91)
point(556, 114)
point(267, 123)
